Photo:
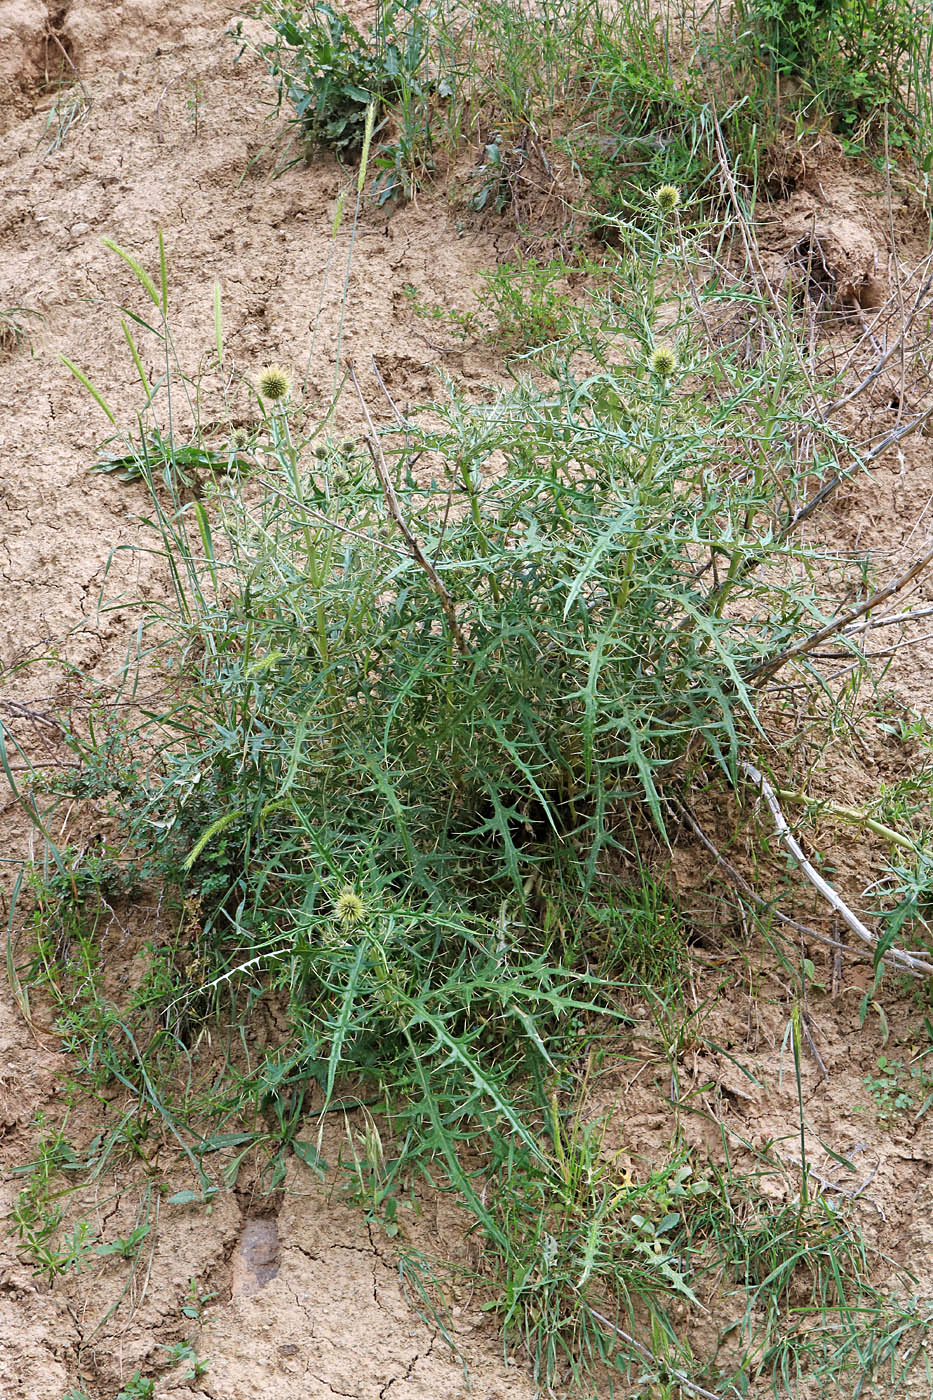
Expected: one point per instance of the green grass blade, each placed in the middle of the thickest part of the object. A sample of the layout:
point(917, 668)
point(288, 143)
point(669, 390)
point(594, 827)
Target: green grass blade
point(142, 277)
point(94, 393)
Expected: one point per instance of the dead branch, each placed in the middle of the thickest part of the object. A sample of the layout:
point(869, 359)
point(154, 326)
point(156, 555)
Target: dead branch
point(914, 963)
point(681, 1377)
point(895, 348)
point(891, 620)
point(770, 666)
point(763, 905)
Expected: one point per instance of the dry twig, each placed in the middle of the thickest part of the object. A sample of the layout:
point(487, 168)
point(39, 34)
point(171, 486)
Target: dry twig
point(680, 1377)
point(763, 905)
point(895, 348)
point(914, 963)
point(773, 664)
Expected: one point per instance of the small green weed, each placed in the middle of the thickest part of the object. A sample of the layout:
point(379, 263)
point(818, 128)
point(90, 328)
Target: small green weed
point(127, 1247)
point(331, 73)
point(490, 179)
point(15, 328)
point(596, 1242)
point(38, 1215)
point(53, 1250)
point(522, 307)
point(68, 110)
point(194, 98)
point(900, 1090)
point(645, 937)
point(369, 1180)
point(463, 325)
point(197, 1301)
point(184, 1354)
point(138, 1387)
point(529, 305)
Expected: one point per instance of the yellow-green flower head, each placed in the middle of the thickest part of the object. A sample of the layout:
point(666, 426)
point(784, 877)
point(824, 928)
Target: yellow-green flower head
point(667, 198)
point(662, 361)
point(348, 907)
point(274, 383)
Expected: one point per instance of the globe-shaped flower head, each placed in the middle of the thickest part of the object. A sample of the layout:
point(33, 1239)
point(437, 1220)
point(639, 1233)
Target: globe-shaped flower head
point(667, 198)
point(348, 907)
point(662, 361)
point(274, 383)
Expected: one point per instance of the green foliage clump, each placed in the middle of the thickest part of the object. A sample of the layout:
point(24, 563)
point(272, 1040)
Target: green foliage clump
point(900, 1091)
point(623, 99)
point(596, 603)
point(857, 60)
point(331, 73)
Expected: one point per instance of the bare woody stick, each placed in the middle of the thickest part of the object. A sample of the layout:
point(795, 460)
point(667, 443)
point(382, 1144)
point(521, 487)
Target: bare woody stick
point(837, 478)
point(682, 1379)
point(761, 904)
point(395, 510)
point(911, 962)
point(772, 664)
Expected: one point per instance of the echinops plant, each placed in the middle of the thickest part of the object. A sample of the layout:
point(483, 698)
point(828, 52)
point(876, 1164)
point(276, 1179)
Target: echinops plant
point(424, 686)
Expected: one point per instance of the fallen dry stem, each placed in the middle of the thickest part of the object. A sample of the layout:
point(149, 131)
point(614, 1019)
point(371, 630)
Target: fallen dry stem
point(892, 620)
point(764, 905)
point(895, 348)
point(775, 663)
point(910, 962)
point(837, 478)
point(681, 1377)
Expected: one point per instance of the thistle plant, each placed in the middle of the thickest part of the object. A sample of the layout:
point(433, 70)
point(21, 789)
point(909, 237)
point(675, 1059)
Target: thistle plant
point(419, 690)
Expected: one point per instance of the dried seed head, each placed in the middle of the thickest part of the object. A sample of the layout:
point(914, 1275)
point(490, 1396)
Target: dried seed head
point(274, 383)
point(667, 198)
point(662, 361)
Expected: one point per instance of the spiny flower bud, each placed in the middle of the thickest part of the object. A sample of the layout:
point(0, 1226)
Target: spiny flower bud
point(662, 361)
point(667, 198)
point(274, 383)
point(348, 907)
